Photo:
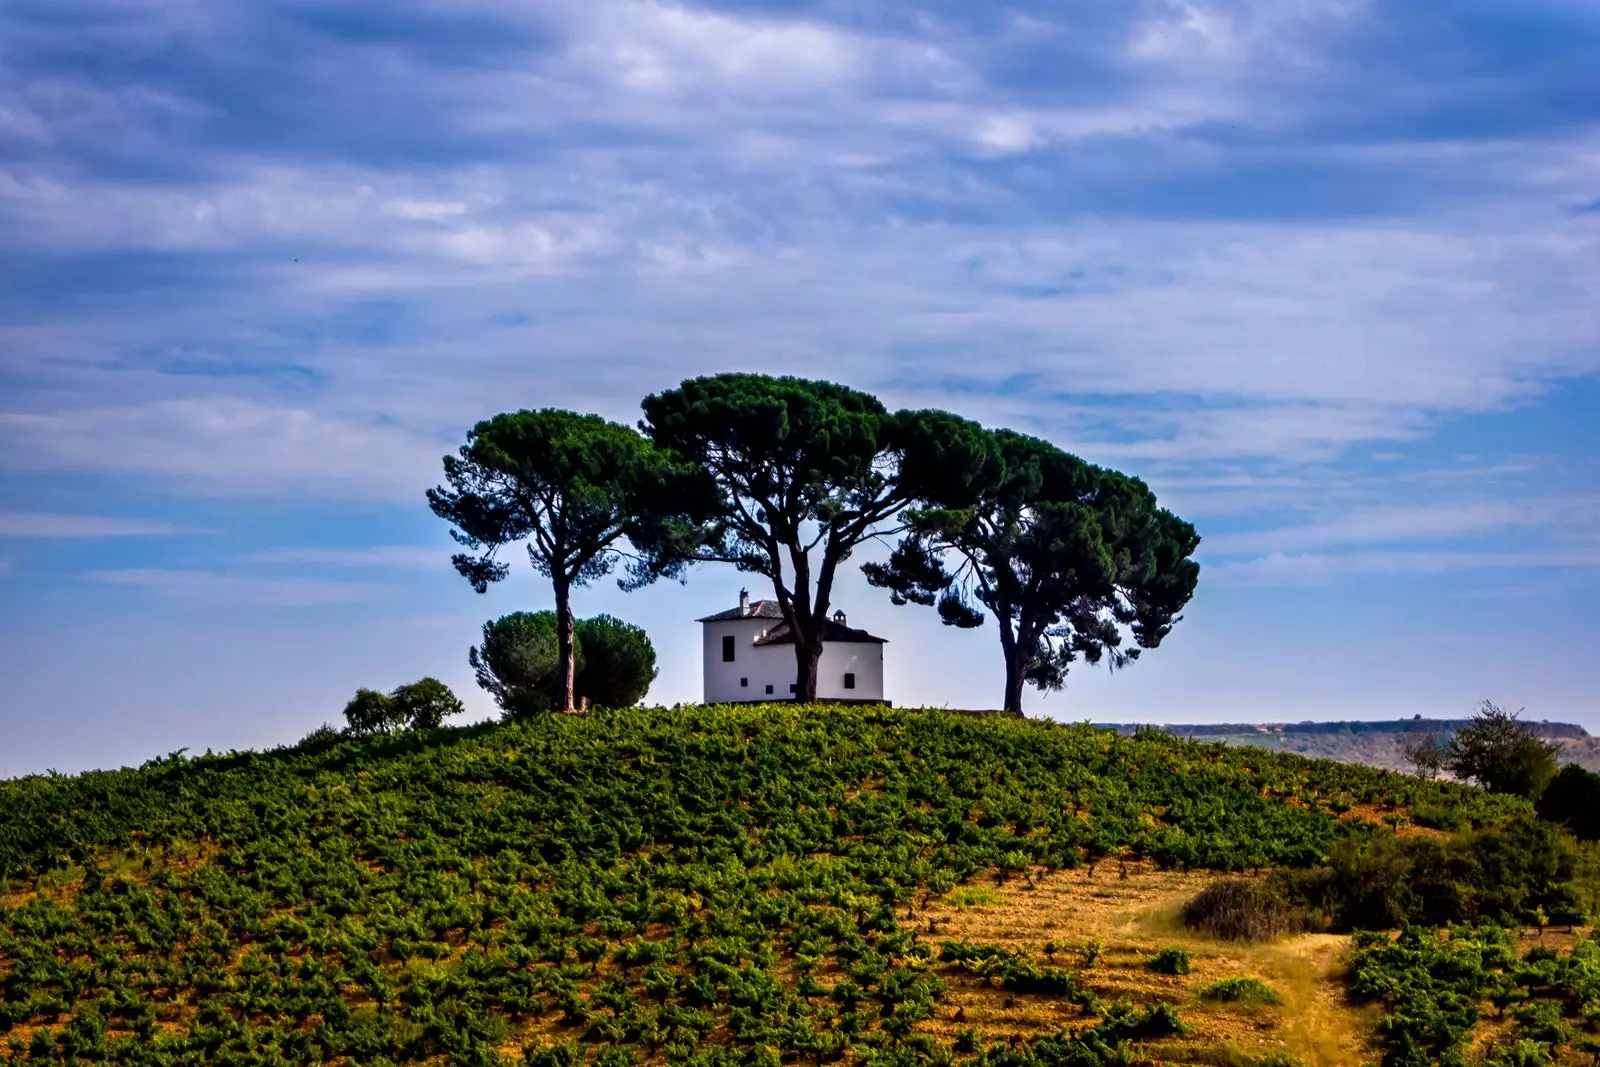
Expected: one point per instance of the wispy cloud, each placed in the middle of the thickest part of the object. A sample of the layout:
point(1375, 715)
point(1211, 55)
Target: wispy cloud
point(1412, 523)
point(233, 589)
point(51, 525)
point(227, 446)
point(1284, 569)
point(424, 557)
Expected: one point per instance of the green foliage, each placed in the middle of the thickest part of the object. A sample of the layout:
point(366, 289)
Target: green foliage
point(518, 662)
point(1432, 988)
point(572, 486)
point(371, 712)
point(1241, 991)
point(420, 705)
point(619, 662)
point(805, 471)
point(635, 880)
point(1237, 909)
point(1063, 554)
point(1502, 754)
point(1169, 961)
point(425, 704)
point(1573, 799)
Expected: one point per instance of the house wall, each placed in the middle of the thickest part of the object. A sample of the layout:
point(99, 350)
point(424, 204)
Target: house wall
point(774, 665)
point(865, 660)
point(770, 665)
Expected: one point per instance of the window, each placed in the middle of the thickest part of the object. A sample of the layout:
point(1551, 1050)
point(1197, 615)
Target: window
point(769, 689)
point(744, 683)
point(849, 680)
point(791, 687)
point(727, 649)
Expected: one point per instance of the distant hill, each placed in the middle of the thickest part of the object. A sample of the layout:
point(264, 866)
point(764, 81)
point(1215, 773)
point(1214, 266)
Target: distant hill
point(1374, 744)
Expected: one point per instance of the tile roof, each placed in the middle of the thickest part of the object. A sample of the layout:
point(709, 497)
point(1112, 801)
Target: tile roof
point(759, 609)
point(832, 632)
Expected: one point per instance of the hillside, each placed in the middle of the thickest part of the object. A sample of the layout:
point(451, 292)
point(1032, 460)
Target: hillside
point(701, 885)
point(1371, 743)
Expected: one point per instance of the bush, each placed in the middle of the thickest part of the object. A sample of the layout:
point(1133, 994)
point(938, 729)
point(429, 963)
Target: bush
point(1169, 961)
point(1438, 817)
point(1238, 909)
point(371, 712)
point(518, 662)
point(422, 704)
point(619, 662)
point(1573, 799)
point(322, 738)
point(1502, 754)
point(1240, 991)
point(425, 703)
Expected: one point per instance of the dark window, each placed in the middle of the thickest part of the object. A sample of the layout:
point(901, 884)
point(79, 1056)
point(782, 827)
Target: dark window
point(744, 683)
point(849, 681)
point(727, 649)
point(792, 687)
point(769, 688)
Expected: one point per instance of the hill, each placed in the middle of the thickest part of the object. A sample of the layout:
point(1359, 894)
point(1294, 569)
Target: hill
point(712, 886)
point(1372, 743)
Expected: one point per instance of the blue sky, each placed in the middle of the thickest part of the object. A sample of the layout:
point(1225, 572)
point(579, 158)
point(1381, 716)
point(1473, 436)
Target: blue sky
point(1324, 272)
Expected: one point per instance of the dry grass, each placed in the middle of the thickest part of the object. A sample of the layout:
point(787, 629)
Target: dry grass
point(1133, 918)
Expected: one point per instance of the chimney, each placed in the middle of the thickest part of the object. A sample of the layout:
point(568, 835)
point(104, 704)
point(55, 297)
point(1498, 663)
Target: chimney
point(744, 602)
point(838, 616)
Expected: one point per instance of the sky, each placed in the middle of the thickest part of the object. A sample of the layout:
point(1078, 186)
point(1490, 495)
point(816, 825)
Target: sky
point(1325, 273)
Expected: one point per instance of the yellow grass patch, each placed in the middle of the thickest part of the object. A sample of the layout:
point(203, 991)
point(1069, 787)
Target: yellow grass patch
point(1133, 918)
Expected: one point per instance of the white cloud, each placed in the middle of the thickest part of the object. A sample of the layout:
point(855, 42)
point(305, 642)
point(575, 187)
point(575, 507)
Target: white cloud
point(228, 446)
point(1412, 523)
point(49, 525)
point(1283, 569)
point(426, 557)
point(226, 588)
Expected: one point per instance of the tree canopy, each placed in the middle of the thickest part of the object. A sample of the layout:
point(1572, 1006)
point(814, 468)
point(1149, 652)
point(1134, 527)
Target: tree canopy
point(1503, 754)
point(517, 662)
point(420, 705)
point(805, 472)
point(1064, 555)
point(572, 486)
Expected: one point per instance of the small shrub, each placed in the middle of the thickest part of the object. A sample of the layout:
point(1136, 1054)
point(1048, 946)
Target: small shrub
point(1169, 961)
point(1241, 991)
point(370, 712)
point(323, 737)
point(1437, 817)
point(1239, 909)
point(425, 703)
point(1090, 952)
point(973, 897)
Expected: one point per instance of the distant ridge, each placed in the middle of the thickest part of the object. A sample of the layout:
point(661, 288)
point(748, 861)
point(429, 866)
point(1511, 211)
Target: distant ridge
point(1348, 726)
point(1375, 743)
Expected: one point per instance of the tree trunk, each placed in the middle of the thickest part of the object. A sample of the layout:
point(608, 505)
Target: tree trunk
point(1015, 666)
point(1016, 660)
point(566, 642)
point(807, 653)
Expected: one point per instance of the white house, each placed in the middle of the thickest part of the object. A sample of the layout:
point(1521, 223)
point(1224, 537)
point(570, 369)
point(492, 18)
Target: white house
point(749, 656)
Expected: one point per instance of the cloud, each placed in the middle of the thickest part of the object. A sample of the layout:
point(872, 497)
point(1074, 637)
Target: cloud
point(1412, 523)
point(1283, 569)
point(227, 446)
point(1126, 229)
point(232, 589)
point(426, 557)
point(47, 525)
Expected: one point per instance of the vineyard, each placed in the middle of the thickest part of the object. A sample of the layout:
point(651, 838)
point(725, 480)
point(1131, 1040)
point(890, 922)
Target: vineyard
point(715, 886)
